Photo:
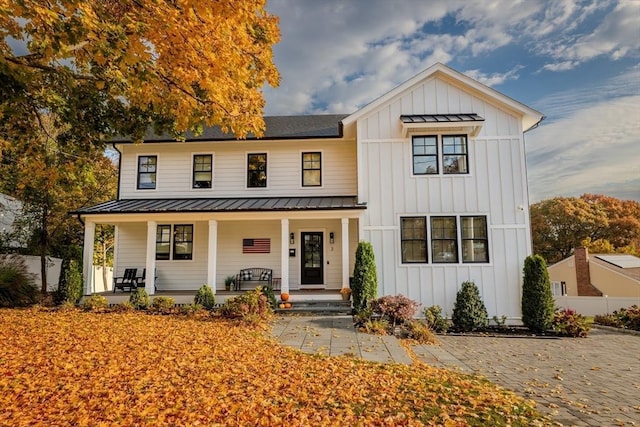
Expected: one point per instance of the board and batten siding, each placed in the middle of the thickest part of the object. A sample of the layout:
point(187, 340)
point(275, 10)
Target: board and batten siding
point(495, 187)
point(284, 168)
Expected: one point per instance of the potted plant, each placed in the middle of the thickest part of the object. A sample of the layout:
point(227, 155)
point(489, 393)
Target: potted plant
point(229, 283)
point(346, 293)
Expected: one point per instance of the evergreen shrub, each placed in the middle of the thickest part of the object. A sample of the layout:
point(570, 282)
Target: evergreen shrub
point(365, 276)
point(205, 297)
point(469, 311)
point(139, 299)
point(537, 299)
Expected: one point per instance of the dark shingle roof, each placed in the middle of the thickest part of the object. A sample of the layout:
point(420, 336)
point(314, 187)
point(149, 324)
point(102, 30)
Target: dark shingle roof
point(441, 118)
point(251, 204)
point(277, 127)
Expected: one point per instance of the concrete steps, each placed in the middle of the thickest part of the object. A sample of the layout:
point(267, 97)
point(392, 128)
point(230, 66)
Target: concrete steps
point(317, 307)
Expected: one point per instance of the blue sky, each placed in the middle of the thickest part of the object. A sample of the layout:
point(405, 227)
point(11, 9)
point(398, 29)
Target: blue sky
point(577, 62)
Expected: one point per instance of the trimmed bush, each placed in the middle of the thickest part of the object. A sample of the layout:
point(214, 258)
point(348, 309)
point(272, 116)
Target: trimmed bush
point(434, 320)
point(70, 287)
point(398, 309)
point(570, 324)
point(205, 297)
point(17, 287)
point(365, 276)
point(469, 312)
point(95, 303)
point(537, 299)
point(139, 299)
point(163, 304)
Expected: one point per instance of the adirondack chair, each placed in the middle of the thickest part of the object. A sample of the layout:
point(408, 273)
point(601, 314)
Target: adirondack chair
point(128, 280)
point(141, 281)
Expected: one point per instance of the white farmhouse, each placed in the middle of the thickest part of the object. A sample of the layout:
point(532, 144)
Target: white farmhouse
point(432, 174)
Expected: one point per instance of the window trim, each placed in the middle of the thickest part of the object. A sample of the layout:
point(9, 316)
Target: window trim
point(246, 169)
point(139, 173)
point(402, 240)
point(437, 155)
point(440, 155)
point(302, 169)
point(465, 155)
point(428, 239)
point(193, 170)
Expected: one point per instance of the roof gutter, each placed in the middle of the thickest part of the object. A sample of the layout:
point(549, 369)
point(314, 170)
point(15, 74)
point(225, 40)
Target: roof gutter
point(536, 124)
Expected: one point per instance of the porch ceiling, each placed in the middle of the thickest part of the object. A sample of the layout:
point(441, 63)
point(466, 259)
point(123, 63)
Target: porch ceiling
point(250, 204)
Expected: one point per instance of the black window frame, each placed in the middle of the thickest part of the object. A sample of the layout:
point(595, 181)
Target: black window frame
point(199, 183)
point(474, 239)
point(312, 169)
point(406, 241)
point(424, 155)
point(254, 181)
point(160, 240)
point(182, 240)
point(147, 172)
point(464, 154)
point(436, 238)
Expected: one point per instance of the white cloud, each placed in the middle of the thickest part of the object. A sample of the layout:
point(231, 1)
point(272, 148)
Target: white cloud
point(561, 66)
point(493, 79)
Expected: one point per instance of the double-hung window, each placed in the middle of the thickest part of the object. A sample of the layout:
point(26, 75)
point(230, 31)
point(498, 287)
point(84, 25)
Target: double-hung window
point(202, 170)
point(434, 153)
point(448, 240)
point(179, 243)
point(147, 168)
point(311, 169)
point(257, 170)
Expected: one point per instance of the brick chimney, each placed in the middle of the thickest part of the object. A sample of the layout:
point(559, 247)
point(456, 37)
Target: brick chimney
point(585, 288)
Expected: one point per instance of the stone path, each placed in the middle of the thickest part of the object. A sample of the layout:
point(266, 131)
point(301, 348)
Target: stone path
point(593, 381)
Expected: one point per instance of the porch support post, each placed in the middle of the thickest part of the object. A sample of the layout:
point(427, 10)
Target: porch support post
point(212, 259)
point(345, 252)
point(284, 256)
point(150, 264)
point(87, 256)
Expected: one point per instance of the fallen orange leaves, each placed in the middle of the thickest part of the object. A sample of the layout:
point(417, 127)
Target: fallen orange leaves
point(99, 369)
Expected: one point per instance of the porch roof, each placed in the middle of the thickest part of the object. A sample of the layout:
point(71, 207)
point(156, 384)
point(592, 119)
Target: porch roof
point(244, 204)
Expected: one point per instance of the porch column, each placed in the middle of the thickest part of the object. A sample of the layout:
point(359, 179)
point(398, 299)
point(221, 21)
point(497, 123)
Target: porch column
point(345, 252)
point(212, 259)
point(284, 256)
point(87, 256)
point(150, 264)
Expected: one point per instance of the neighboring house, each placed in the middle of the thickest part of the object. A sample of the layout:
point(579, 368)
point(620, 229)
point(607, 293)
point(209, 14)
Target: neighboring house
point(431, 173)
point(584, 274)
point(10, 209)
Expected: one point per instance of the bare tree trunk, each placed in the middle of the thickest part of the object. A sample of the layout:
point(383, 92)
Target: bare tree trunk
point(44, 241)
point(104, 265)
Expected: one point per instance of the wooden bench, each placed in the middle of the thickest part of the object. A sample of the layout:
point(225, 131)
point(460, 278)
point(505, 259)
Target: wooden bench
point(254, 276)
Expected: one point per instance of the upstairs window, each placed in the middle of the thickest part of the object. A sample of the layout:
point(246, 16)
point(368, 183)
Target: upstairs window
point(147, 168)
point(311, 169)
point(446, 153)
point(202, 170)
point(257, 170)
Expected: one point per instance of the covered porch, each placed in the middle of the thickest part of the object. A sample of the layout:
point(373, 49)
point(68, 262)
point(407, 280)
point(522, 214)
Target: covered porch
point(308, 243)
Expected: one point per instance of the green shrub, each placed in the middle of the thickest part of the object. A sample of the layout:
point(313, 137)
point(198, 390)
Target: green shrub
point(469, 312)
point(434, 320)
point(193, 310)
point(205, 297)
point(537, 299)
point(252, 307)
point(17, 287)
point(71, 284)
point(163, 304)
point(139, 299)
point(365, 277)
point(95, 303)
point(570, 324)
point(398, 309)
point(420, 332)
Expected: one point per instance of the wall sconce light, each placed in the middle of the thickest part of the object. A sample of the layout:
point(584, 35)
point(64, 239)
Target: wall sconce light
point(331, 237)
point(291, 238)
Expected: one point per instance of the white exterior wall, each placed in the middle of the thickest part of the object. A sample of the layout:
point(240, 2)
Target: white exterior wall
point(495, 187)
point(284, 168)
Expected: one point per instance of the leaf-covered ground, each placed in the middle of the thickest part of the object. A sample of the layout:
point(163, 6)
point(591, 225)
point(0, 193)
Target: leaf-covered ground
point(78, 368)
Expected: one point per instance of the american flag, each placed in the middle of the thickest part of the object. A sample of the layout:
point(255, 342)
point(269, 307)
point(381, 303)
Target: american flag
point(256, 246)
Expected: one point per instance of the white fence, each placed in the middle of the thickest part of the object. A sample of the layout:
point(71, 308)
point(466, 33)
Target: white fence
point(590, 306)
point(99, 285)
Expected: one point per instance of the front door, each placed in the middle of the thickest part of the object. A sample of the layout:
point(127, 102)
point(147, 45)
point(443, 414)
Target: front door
point(312, 258)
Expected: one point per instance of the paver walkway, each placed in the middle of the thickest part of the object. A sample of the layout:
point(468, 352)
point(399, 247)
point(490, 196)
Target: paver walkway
point(593, 381)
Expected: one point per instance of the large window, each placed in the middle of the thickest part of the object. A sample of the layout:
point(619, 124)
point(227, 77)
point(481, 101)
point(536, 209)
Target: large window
point(448, 153)
point(444, 239)
point(147, 168)
point(414, 239)
point(257, 170)
point(181, 241)
point(202, 170)
point(451, 239)
point(475, 245)
point(311, 169)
